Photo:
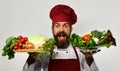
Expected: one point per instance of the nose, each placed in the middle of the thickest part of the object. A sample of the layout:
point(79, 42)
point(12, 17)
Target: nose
point(61, 28)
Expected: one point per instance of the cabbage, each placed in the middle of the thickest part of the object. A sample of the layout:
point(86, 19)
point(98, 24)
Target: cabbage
point(38, 40)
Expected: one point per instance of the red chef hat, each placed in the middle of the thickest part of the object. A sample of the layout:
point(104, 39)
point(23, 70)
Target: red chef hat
point(63, 13)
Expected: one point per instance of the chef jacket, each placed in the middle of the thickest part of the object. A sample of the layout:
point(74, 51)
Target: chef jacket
point(67, 53)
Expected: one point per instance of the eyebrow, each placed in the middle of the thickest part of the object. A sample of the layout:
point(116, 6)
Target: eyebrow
point(66, 22)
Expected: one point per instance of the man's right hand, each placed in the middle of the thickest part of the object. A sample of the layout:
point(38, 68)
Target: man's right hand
point(32, 57)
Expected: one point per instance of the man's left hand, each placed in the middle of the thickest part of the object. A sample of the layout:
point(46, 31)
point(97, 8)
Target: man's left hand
point(89, 55)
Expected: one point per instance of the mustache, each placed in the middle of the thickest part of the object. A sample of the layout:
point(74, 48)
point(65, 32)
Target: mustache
point(62, 33)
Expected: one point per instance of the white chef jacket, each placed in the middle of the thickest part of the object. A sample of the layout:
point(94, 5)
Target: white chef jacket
point(61, 54)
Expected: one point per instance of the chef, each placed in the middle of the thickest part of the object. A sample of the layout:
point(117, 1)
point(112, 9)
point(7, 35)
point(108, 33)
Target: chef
point(67, 58)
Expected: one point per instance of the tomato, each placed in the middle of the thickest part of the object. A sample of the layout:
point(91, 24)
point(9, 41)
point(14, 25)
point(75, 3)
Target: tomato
point(22, 40)
point(20, 44)
point(20, 37)
point(26, 39)
point(16, 43)
point(15, 47)
point(86, 37)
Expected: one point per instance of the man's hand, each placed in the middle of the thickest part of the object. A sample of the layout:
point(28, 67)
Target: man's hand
point(32, 57)
point(90, 53)
point(89, 56)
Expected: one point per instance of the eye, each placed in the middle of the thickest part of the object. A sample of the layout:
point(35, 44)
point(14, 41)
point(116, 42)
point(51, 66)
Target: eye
point(56, 25)
point(66, 25)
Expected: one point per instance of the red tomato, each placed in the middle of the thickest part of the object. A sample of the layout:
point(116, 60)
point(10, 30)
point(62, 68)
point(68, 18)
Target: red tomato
point(86, 37)
point(20, 44)
point(22, 40)
point(20, 37)
point(16, 43)
point(26, 39)
point(15, 47)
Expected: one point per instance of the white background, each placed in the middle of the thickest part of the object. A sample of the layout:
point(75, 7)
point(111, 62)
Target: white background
point(26, 17)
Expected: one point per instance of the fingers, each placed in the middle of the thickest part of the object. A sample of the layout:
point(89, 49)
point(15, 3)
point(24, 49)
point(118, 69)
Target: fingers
point(90, 52)
point(95, 51)
point(33, 55)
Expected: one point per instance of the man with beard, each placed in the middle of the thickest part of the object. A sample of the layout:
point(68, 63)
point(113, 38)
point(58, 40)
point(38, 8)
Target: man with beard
point(67, 57)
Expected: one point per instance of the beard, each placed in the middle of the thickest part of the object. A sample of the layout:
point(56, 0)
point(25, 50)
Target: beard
point(62, 43)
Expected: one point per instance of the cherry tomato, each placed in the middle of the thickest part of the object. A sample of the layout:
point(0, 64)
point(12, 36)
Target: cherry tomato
point(20, 37)
point(22, 40)
point(26, 39)
point(86, 37)
point(15, 47)
point(20, 44)
point(16, 43)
